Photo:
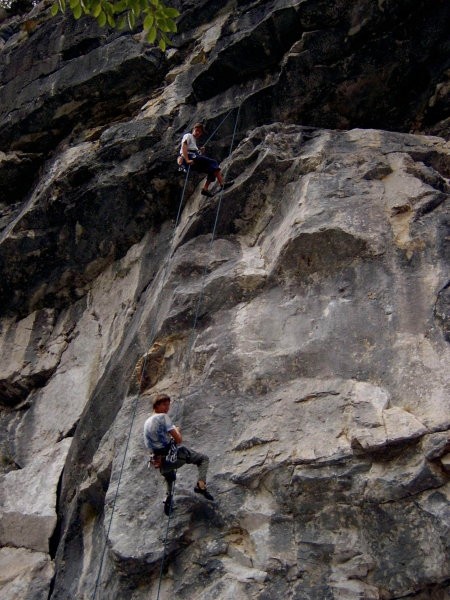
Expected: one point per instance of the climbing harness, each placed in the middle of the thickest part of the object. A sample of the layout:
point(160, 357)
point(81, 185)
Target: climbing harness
point(171, 456)
point(186, 366)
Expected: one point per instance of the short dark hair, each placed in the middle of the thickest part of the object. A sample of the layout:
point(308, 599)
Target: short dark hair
point(160, 398)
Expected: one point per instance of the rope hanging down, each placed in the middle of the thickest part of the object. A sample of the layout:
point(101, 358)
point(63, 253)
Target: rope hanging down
point(205, 270)
point(194, 324)
point(133, 414)
point(152, 339)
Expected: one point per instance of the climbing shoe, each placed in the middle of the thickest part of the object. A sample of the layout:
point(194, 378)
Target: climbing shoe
point(207, 193)
point(168, 505)
point(204, 492)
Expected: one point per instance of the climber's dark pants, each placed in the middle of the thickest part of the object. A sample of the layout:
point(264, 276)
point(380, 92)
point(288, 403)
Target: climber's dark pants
point(203, 164)
point(185, 456)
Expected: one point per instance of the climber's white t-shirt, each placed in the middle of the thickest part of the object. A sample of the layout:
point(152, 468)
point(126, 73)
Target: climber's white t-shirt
point(189, 139)
point(156, 431)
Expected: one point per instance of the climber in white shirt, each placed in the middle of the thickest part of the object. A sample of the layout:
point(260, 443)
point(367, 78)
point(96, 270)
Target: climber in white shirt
point(191, 156)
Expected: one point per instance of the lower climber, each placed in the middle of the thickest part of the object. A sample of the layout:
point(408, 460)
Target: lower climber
point(191, 156)
point(164, 439)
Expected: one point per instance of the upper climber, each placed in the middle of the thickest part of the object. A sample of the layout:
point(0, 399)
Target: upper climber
point(192, 156)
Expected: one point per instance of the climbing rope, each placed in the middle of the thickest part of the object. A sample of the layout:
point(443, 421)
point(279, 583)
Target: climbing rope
point(135, 404)
point(213, 235)
point(163, 558)
point(220, 125)
point(187, 363)
point(193, 328)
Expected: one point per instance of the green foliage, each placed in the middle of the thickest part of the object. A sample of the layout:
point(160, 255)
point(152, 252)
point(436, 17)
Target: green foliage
point(158, 19)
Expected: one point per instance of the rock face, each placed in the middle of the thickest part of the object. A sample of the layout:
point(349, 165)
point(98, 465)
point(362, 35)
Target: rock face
point(299, 320)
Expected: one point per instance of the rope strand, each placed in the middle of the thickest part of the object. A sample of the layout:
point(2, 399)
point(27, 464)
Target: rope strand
point(213, 235)
point(219, 125)
point(152, 339)
point(172, 491)
point(191, 343)
point(187, 363)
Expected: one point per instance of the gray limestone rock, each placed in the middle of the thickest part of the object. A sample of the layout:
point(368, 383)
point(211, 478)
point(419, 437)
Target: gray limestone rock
point(28, 500)
point(299, 319)
point(24, 575)
point(312, 459)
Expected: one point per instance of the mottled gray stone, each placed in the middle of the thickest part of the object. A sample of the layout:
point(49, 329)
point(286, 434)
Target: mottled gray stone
point(28, 500)
point(55, 409)
point(25, 575)
point(32, 349)
point(316, 378)
point(436, 444)
point(45, 102)
point(305, 454)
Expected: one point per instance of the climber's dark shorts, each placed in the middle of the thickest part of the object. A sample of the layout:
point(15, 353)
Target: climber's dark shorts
point(204, 164)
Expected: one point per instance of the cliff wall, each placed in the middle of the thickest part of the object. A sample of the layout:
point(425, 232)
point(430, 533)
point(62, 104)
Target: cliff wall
point(301, 316)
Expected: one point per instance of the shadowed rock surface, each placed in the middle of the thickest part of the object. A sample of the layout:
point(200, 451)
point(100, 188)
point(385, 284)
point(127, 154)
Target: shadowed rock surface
point(299, 320)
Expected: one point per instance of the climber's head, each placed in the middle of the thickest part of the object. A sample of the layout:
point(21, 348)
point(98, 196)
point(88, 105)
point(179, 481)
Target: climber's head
point(161, 403)
point(198, 130)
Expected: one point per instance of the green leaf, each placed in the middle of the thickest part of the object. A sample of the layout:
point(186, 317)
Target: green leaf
point(101, 19)
point(120, 6)
point(165, 38)
point(172, 13)
point(151, 36)
point(154, 16)
point(171, 25)
point(162, 44)
point(163, 26)
point(149, 21)
point(122, 22)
